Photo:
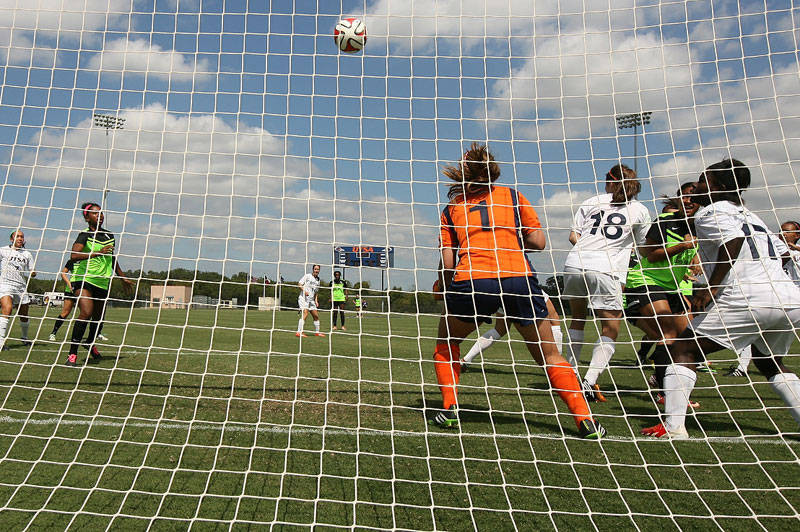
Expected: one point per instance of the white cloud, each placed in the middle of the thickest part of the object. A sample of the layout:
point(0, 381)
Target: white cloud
point(142, 57)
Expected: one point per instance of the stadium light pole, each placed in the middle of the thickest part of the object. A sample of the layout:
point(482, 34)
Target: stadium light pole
point(634, 121)
point(108, 122)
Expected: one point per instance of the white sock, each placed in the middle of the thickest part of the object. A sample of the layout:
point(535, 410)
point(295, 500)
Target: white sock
point(300, 323)
point(24, 325)
point(787, 386)
point(574, 346)
point(3, 327)
point(558, 337)
point(745, 355)
point(484, 342)
point(601, 355)
point(316, 326)
point(678, 385)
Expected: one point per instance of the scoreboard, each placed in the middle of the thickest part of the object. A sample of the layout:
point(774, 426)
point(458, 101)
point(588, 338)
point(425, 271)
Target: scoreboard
point(370, 256)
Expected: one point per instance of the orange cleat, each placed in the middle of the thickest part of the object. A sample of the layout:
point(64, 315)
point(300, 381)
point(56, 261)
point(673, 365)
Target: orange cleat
point(301, 335)
point(319, 334)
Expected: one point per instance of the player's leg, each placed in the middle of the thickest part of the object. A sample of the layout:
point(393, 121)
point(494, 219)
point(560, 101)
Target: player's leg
point(303, 314)
point(334, 315)
point(602, 351)
point(768, 359)
point(6, 307)
point(485, 341)
point(576, 331)
point(451, 332)
point(315, 318)
point(24, 322)
point(98, 310)
point(85, 304)
point(342, 314)
point(555, 325)
point(69, 303)
point(743, 362)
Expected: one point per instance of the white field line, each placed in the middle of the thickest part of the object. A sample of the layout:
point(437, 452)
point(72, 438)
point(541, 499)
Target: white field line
point(283, 429)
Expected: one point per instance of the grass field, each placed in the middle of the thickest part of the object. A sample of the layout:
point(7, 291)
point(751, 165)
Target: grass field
point(209, 420)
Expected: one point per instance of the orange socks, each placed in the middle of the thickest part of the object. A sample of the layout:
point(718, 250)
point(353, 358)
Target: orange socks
point(448, 369)
point(562, 378)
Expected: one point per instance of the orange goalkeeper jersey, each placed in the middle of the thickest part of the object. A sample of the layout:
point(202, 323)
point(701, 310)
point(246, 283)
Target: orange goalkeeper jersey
point(487, 233)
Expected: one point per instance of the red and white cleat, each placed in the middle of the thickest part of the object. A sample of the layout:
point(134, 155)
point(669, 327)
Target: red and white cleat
point(660, 431)
point(301, 335)
point(319, 334)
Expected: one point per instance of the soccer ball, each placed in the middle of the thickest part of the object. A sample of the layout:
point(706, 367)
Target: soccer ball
point(350, 35)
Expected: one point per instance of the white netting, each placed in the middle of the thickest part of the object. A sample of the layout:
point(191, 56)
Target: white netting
point(233, 146)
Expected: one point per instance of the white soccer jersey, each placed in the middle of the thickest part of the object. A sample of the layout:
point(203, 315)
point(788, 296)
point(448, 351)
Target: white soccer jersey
point(607, 234)
point(13, 264)
point(310, 286)
point(757, 278)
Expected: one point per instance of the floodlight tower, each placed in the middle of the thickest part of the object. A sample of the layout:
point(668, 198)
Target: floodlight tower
point(108, 122)
point(634, 121)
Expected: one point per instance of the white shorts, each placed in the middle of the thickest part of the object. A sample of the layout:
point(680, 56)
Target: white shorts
point(770, 330)
point(18, 297)
point(306, 304)
point(603, 290)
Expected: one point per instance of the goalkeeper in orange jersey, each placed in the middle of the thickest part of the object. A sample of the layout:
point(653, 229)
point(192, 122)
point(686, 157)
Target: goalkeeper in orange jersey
point(485, 230)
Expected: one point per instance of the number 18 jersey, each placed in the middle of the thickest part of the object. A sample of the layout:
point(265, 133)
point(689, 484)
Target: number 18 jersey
point(607, 232)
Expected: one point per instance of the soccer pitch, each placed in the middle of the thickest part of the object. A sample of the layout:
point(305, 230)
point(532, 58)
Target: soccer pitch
point(214, 420)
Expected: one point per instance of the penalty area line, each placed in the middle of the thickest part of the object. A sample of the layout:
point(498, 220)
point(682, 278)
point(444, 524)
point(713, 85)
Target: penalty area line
point(283, 429)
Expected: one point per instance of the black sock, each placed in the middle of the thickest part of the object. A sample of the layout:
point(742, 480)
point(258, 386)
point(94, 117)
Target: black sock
point(341, 313)
point(77, 335)
point(58, 324)
point(90, 338)
point(662, 360)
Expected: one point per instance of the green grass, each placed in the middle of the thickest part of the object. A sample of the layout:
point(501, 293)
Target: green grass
point(216, 420)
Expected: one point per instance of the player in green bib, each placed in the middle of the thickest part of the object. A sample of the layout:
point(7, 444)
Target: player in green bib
point(338, 298)
point(653, 291)
point(94, 265)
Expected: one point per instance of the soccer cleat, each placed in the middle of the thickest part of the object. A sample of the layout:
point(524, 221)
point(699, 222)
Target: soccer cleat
point(705, 368)
point(102, 338)
point(344, 328)
point(301, 335)
point(94, 356)
point(446, 419)
point(593, 393)
point(334, 328)
point(319, 334)
point(72, 360)
point(464, 365)
point(591, 430)
point(736, 372)
point(26, 342)
point(660, 431)
point(52, 337)
point(660, 400)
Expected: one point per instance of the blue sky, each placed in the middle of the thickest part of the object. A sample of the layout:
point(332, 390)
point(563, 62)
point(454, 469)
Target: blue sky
point(252, 144)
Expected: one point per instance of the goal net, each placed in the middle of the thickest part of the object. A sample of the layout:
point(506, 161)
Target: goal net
point(232, 146)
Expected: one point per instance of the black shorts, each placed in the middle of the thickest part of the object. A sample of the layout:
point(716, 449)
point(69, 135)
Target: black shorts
point(338, 304)
point(641, 296)
point(96, 292)
point(69, 295)
point(520, 298)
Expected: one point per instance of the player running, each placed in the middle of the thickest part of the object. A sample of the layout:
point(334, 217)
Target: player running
point(15, 262)
point(749, 300)
point(485, 230)
point(604, 231)
point(94, 265)
point(655, 302)
point(308, 301)
point(338, 298)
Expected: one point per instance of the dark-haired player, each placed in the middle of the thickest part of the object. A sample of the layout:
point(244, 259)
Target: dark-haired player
point(308, 301)
point(94, 266)
point(338, 298)
point(485, 230)
point(750, 301)
point(15, 262)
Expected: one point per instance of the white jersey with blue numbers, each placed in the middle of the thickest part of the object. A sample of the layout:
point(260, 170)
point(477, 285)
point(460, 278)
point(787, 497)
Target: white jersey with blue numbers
point(15, 263)
point(607, 233)
point(757, 277)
